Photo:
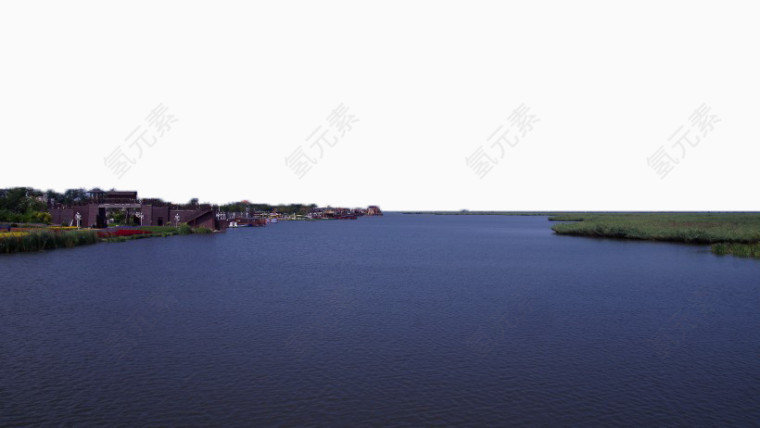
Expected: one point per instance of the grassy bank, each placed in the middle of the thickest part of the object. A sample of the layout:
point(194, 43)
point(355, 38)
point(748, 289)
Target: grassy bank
point(183, 229)
point(517, 213)
point(16, 242)
point(739, 250)
point(729, 233)
point(52, 238)
point(161, 232)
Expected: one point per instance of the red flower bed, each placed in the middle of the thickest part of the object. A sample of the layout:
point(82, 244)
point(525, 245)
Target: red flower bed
point(123, 232)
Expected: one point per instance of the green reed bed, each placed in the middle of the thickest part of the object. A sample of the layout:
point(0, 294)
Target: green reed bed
point(46, 240)
point(507, 213)
point(729, 233)
point(739, 250)
point(183, 229)
point(49, 239)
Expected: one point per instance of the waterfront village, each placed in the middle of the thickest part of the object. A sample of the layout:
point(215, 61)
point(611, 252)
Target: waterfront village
point(101, 209)
point(32, 220)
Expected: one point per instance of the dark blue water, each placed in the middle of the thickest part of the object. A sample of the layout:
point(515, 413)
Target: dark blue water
point(400, 320)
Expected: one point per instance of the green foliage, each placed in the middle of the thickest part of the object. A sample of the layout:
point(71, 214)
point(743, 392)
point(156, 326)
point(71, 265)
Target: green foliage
point(697, 228)
point(183, 229)
point(47, 240)
point(730, 233)
point(74, 196)
point(9, 216)
point(127, 238)
point(739, 250)
point(467, 212)
point(42, 217)
point(23, 205)
point(118, 216)
point(568, 217)
point(162, 231)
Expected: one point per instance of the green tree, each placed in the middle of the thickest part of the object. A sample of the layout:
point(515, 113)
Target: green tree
point(22, 204)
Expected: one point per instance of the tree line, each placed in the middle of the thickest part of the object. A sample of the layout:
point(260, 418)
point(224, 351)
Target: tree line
point(23, 205)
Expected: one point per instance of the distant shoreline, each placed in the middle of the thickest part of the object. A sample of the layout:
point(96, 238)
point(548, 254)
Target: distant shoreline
point(735, 233)
point(558, 213)
point(727, 232)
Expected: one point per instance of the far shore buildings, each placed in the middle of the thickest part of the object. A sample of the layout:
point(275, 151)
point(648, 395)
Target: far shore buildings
point(94, 212)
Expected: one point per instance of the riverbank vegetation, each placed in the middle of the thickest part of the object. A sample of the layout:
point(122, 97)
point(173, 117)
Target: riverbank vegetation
point(467, 212)
point(122, 235)
point(183, 229)
point(739, 250)
point(23, 205)
point(43, 239)
point(39, 239)
point(728, 233)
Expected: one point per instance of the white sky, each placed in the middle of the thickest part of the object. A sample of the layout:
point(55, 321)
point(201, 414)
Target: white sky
point(429, 81)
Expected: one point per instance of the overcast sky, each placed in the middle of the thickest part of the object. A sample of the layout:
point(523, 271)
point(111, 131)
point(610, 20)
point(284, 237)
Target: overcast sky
point(586, 105)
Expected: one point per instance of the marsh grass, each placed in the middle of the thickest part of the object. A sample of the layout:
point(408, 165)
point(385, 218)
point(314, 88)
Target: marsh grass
point(183, 229)
point(739, 250)
point(507, 213)
point(690, 228)
point(731, 233)
point(125, 238)
point(47, 240)
point(50, 239)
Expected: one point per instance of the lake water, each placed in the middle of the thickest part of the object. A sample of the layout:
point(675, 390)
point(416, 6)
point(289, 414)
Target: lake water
point(399, 320)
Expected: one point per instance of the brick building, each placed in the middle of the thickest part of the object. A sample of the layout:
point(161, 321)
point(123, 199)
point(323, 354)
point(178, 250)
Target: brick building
point(94, 211)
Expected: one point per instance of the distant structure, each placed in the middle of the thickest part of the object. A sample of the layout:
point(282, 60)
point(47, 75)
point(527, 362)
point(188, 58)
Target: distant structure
point(96, 204)
point(154, 213)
